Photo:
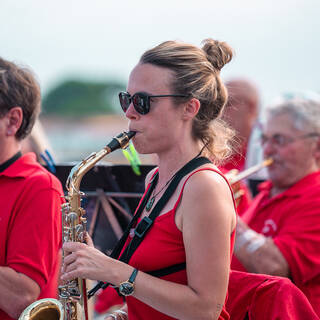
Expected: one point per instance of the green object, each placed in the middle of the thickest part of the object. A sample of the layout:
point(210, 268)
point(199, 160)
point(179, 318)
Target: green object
point(132, 156)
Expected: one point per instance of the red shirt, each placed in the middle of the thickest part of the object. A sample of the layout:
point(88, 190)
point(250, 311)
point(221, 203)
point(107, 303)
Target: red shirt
point(30, 223)
point(266, 297)
point(237, 161)
point(240, 190)
point(162, 247)
point(292, 219)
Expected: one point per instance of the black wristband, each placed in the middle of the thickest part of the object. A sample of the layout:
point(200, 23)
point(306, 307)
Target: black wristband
point(133, 275)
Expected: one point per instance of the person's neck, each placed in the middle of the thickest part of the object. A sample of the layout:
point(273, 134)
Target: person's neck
point(277, 189)
point(170, 162)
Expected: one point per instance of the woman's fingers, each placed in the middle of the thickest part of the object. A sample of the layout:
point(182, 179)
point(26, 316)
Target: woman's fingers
point(70, 258)
point(69, 247)
point(88, 240)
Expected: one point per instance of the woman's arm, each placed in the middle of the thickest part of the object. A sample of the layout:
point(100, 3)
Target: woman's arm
point(206, 217)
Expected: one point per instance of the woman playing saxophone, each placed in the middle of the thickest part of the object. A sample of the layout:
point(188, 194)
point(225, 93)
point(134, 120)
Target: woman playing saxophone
point(173, 102)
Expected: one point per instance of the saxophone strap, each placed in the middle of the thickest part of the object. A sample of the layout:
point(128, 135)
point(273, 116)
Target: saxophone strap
point(145, 224)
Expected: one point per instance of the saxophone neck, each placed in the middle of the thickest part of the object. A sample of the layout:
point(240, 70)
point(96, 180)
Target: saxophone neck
point(78, 171)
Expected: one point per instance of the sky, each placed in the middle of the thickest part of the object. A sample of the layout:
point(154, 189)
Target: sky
point(276, 43)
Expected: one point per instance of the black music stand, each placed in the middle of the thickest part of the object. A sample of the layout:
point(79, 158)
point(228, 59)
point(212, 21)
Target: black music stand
point(112, 192)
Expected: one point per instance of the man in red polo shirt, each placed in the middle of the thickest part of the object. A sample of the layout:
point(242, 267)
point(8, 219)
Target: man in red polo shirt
point(280, 233)
point(30, 200)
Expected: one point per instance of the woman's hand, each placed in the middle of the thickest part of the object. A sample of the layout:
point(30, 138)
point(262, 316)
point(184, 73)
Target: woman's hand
point(88, 240)
point(84, 261)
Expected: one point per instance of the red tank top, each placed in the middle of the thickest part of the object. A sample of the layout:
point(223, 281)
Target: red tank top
point(163, 247)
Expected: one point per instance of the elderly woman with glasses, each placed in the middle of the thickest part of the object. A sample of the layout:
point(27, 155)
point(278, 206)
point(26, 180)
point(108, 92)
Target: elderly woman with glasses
point(280, 233)
point(174, 100)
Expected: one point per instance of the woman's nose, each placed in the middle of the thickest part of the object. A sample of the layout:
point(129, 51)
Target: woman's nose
point(131, 112)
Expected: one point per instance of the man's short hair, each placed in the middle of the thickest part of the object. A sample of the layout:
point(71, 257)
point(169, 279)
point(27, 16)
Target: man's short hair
point(19, 88)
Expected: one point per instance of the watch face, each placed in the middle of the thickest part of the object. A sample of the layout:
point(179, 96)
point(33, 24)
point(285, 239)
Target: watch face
point(126, 288)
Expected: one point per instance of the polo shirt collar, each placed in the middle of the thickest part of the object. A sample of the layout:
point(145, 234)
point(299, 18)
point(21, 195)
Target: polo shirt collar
point(10, 161)
point(309, 181)
point(22, 167)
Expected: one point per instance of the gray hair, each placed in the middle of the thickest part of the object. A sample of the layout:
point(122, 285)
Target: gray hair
point(304, 112)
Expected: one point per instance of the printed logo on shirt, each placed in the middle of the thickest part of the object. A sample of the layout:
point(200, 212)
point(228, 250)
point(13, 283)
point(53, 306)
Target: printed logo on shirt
point(269, 229)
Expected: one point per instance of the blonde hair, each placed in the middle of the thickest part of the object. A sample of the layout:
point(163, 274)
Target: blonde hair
point(196, 73)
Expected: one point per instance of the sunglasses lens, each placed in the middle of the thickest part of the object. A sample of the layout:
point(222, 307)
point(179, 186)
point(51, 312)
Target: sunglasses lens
point(125, 101)
point(140, 103)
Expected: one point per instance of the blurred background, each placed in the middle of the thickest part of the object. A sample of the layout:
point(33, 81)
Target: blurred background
point(83, 51)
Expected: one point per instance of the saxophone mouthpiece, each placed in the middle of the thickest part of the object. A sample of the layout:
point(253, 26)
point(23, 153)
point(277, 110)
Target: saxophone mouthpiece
point(131, 134)
point(121, 141)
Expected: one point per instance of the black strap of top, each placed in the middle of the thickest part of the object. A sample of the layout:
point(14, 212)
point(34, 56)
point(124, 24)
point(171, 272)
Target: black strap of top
point(168, 270)
point(145, 224)
point(120, 244)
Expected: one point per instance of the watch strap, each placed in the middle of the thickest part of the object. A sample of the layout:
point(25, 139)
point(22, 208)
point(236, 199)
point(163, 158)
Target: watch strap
point(133, 275)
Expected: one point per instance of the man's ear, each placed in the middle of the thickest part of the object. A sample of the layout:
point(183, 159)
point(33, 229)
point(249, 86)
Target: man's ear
point(191, 109)
point(14, 119)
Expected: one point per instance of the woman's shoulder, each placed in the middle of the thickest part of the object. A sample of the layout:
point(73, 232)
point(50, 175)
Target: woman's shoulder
point(207, 174)
point(208, 193)
point(208, 185)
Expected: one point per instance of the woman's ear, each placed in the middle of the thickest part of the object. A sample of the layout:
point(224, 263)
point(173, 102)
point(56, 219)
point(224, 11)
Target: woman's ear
point(14, 120)
point(191, 109)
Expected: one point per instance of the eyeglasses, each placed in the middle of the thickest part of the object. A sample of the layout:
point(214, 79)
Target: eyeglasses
point(282, 140)
point(141, 100)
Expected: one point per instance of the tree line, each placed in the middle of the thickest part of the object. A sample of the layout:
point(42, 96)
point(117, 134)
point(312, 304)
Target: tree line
point(75, 97)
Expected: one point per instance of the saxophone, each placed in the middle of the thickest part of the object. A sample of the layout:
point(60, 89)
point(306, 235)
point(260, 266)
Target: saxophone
point(73, 299)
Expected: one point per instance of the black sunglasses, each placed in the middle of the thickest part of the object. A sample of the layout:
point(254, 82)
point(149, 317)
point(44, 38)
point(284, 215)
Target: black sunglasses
point(141, 100)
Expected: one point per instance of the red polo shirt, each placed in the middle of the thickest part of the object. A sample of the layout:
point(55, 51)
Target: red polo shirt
point(265, 297)
point(30, 223)
point(292, 219)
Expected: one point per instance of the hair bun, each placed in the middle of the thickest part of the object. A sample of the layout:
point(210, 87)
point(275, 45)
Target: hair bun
point(218, 53)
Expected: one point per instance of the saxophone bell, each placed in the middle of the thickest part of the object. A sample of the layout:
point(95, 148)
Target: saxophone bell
point(50, 309)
